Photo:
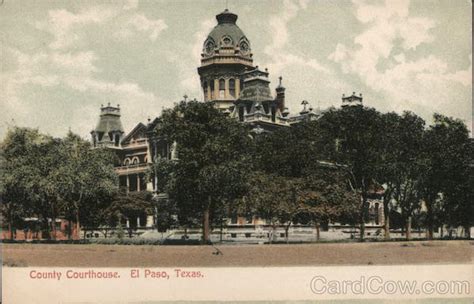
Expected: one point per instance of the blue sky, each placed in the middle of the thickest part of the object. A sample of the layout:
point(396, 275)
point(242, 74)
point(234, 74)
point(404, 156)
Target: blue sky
point(62, 60)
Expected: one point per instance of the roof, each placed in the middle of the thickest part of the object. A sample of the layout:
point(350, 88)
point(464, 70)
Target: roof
point(140, 127)
point(227, 27)
point(108, 123)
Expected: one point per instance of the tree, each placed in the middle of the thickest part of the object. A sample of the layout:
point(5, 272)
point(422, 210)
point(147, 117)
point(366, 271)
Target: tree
point(166, 212)
point(28, 162)
point(212, 160)
point(351, 137)
point(399, 169)
point(85, 180)
point(130, 206)
point(447, 170)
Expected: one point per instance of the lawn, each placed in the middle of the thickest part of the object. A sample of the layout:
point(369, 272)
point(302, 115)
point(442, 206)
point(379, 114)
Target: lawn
point(386, 253)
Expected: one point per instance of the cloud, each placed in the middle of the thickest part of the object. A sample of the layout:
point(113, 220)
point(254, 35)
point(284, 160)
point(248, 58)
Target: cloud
point(190, 82)
point(379, 58)
point(130, 4)
point(64, 25)
point(70, 30)
point(280, 57)
point(65, 72)
point(139, 23)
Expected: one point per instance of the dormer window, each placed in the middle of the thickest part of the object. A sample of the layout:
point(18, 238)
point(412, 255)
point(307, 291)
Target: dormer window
point(226, 41)
point(209, 47)
point(244, 47)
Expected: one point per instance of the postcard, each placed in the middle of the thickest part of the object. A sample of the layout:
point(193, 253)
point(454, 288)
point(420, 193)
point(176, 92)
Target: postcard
point(271, 151)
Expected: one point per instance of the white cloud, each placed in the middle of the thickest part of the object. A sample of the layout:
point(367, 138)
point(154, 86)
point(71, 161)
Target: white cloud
point(405, 83)
point(65, 25)
point(190, 82)
point(140, 23)
point(130, 4)
point(279, 55)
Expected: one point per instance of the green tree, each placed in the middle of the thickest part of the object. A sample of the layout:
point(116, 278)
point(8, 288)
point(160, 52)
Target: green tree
point(352, 138)
point(399, 168)
point(130, 206)
point(85, 180)
point(447, 168)
point(212, 160)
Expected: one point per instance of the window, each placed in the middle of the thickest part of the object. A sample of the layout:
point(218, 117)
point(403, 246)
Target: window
point(212, 88)
point(226, 41)
point(221, 88)
point(244, 47)
point(117, 139)
point(204, 87)
point(232, 87)
point(209, 47)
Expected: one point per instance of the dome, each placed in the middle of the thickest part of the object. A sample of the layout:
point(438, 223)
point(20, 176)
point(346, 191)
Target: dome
point(226, 34)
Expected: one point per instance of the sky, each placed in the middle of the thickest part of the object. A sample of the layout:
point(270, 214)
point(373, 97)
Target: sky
point(60, 60)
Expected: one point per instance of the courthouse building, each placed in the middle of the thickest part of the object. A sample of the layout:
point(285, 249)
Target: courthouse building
point(235, 85)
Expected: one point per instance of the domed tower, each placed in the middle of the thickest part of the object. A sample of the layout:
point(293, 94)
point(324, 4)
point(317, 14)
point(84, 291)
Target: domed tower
point(109, 130)
point(226, 56)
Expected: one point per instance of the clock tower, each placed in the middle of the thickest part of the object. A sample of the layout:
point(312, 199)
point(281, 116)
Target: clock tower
point(226, 56)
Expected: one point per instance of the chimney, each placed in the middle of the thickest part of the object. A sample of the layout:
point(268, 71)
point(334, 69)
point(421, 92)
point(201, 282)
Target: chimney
point(280, 96)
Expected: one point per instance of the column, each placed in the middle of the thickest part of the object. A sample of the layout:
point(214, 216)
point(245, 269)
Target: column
point(226, 94)
point(173, 150)
point(138, 182)
point(216, 88)
point(138, 221)
point(237, 88)
point(128, 184)
point(209, 96)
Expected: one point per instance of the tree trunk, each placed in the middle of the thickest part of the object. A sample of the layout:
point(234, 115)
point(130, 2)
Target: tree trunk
point(318, 229)
point(408, 235)
point(10, 228)
point(48, 227)
point(53, 227)
point(287, 227)
point(78, 225)
point(430, 232)
point(430, 228)
point(467, 232)
point(205, 224)
point(272, 233)
point(220, 236)
point(386, 225)
point(362, 218)
point(69, 229)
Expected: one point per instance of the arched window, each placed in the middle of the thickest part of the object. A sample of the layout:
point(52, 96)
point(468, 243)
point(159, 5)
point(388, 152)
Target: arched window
point(126, 162)
point(204, 87)
point(232, 87)
point(221, 88)
point(135, 160)
point(212, 88)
